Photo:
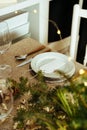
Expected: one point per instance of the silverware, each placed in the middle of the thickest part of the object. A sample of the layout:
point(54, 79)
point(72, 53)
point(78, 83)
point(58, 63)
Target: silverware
point(24, 63)
point(28, 61)
point(23, 57)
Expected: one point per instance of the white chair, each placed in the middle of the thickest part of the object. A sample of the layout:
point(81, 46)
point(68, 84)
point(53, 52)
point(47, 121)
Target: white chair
point(81, 3)
point(78, 13)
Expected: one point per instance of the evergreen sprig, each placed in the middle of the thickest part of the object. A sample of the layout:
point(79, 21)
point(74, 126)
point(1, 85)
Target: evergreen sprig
point(61, 108)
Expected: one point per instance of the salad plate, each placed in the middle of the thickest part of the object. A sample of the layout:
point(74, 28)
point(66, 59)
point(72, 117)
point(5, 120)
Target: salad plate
point(52, 63)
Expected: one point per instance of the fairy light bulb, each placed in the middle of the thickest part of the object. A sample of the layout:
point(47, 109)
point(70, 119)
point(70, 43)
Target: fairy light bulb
point(16, 12)
point(69, 58)
point(56, 26)
point(34, 11)
point(85, 83)
point(58, 32)
point(81, 71)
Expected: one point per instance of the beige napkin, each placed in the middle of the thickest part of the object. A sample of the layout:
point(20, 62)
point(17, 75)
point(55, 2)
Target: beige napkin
point(46, 49)
point(26, 46)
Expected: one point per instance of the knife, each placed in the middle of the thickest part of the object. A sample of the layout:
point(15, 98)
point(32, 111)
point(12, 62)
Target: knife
point(24, 63)
point(28, 61)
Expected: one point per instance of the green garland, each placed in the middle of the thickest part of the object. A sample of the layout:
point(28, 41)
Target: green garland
point(60, 108)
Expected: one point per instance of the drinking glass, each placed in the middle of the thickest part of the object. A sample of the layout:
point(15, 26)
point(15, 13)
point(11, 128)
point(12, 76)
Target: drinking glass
point(5, 42)
point(6, 97)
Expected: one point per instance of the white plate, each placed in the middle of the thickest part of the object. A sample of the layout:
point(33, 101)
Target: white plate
point(49, 62)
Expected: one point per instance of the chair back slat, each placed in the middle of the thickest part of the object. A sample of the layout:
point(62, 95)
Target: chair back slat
point(83, 13)
point(78, 13)
point(75, 32)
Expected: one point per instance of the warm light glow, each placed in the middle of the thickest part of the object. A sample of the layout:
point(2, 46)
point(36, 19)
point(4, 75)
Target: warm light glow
point(69, 58)
point(16, 12)
point(35, 11)
point(85, 83)
point(81, 71)
point(58, 32)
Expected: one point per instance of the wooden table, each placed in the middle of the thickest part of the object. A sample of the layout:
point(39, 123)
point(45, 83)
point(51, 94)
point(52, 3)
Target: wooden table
point(24, 46)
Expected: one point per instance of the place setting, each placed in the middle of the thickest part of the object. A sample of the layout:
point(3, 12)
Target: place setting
point(23, 58)
point(54, 66)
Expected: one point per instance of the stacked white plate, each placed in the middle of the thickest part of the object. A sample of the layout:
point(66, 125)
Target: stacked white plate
point(52, 62)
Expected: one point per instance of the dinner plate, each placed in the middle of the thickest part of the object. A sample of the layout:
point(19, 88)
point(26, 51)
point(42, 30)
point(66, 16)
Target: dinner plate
point(50, 63)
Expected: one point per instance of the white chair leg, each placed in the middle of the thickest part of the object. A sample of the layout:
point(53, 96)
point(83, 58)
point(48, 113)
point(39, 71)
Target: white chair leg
point(85, 58)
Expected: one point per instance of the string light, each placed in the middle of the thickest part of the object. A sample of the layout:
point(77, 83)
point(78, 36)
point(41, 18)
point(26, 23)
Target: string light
point(53, 22)
point(69, 58)
point(85, 83)
point(81, 71)
point(34, 11)
point(16, 12)
point(56, 26)
point(58, 32)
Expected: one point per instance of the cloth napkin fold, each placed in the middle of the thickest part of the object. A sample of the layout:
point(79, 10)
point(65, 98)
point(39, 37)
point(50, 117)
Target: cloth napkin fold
point(46, 49)
point(26, 46)
point(36, 49)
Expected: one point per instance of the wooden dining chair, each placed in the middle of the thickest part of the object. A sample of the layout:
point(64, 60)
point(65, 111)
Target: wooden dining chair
point(78, 13)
